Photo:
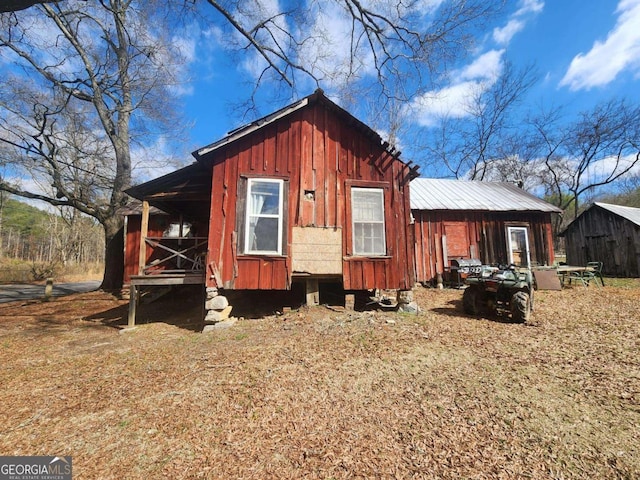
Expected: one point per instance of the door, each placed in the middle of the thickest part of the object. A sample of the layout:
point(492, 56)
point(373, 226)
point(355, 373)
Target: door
point(519, 246)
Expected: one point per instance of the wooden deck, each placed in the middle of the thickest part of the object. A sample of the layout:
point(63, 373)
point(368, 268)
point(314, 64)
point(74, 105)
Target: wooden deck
point(165, 279)
point(186, 278)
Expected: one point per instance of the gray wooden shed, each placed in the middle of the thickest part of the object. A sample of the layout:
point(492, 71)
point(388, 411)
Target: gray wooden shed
point(606, 233)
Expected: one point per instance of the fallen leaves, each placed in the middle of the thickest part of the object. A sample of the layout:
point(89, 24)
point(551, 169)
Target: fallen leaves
point(334, 395)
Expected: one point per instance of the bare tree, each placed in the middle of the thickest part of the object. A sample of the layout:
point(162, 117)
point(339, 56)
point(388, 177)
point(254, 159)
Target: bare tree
point(387, 49)
point(86, 83)
point(629, 193)
point(98, 70)
point(483, 144)
point(599, 148)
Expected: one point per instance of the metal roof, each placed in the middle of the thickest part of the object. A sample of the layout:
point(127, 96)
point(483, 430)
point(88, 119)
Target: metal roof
point(441, 194)
point(240, 132)
point(187, 190)
point(630, 213)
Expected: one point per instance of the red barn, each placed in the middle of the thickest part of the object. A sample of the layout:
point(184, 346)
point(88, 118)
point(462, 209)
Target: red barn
point(308, 192)
point(491, 222)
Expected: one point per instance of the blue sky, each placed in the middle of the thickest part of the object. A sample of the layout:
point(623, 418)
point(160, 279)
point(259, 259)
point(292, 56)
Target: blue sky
point(583, 51)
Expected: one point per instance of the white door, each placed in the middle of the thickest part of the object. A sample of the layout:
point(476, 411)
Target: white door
point(519, 246)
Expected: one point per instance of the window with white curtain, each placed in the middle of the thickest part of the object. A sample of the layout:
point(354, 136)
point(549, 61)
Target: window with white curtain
point(263, 229)
point(367, 211)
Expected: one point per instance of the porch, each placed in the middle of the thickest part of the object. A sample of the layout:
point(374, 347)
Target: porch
point(170, 248)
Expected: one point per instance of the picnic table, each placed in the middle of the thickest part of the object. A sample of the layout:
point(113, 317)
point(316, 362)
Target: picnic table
point(580, 273)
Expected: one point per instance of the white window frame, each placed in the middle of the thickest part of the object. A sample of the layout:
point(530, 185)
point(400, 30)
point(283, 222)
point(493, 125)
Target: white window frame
point(354, 221)
point(249, 215)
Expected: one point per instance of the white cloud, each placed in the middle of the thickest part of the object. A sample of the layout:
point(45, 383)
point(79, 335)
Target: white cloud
point(327, 46)
point(503, 35)
point(455, 100)
point(467, 83)
point(324, 39)
point(612, 165)
point(185, 47)
point(487, 66)
point(253, 14)
point(450, 102)
point(606, 60)
point(530, 6)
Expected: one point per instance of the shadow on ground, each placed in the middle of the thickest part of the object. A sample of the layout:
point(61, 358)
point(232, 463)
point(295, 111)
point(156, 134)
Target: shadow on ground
point(183, 306)
point(454, 309)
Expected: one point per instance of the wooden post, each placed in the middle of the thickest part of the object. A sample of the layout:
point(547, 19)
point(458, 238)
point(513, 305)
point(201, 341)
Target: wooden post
point(48, 289)
point(133, 303)
point(180, 235)
point(144, 232)
point(313, 291)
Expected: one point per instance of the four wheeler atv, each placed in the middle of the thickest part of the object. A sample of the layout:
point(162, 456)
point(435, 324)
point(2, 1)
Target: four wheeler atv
point(502, 290)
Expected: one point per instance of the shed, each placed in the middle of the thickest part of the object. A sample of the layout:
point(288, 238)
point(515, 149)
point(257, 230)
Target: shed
point(606, 233)
point(306, 193)
point(493, 222)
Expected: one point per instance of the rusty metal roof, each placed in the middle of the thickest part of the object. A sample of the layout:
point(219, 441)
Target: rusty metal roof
point(440, 194)
point(187, 191)
point(630, 213)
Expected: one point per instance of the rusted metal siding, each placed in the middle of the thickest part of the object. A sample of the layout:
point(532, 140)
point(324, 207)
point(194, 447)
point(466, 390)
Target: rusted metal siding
point(481, 235)
point(603, 236)
point(320, 156)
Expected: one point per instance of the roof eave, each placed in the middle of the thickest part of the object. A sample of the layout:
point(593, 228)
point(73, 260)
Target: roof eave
point(250, 128)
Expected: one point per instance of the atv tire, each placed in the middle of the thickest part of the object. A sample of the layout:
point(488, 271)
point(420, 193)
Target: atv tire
point(520, 307)
point(472, 300)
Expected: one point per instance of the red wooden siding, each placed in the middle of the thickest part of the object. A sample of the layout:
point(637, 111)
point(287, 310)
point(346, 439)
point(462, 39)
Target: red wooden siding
point(479, 235)
point(316, 150)
point(157, 225)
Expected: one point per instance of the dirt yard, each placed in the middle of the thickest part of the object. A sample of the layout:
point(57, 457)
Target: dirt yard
point(318, 393)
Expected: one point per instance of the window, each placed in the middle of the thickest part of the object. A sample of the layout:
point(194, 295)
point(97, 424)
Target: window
point(367, 207)
point(174, 230)
point(263, 228)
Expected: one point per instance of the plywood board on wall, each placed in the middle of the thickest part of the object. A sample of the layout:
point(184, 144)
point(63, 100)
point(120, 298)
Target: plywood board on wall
point(317, 251)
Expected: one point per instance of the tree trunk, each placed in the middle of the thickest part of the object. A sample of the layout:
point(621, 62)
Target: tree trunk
point(113, 254)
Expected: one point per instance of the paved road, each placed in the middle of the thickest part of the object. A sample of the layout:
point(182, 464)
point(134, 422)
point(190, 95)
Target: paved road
point(13, 293)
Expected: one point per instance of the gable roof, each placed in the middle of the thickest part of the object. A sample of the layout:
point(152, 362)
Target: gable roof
point(189, 188)
point(316, 97)
point(441, 194)
point(630, 213)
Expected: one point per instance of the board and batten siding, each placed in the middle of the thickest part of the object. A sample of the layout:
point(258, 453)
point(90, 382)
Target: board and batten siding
point(444, 234)
point(599, 235)
point(320, 155)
